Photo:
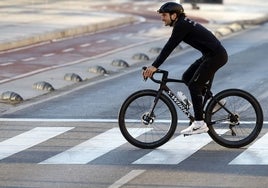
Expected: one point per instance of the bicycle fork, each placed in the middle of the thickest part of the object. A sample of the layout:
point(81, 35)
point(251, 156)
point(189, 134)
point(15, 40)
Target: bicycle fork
point(148, 117)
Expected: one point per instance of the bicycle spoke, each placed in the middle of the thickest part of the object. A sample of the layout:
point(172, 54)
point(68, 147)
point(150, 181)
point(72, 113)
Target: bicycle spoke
point(137, 113)
point(244, 122)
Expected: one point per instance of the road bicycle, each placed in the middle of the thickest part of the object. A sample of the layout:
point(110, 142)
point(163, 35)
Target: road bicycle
point(148, 118)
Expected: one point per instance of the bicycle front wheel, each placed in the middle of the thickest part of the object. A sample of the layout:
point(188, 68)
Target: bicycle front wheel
point(238, 120)
point(143, 127)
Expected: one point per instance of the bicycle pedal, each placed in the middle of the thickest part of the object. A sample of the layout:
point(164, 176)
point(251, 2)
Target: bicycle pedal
point(187, 135)
point(195, 133)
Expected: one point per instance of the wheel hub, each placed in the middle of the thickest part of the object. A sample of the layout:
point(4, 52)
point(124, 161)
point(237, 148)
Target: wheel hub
point(234, 119)
point(148, 118)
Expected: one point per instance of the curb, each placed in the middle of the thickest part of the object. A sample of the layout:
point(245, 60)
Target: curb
point(258, 21)
point(239, 25)
point(65, 33)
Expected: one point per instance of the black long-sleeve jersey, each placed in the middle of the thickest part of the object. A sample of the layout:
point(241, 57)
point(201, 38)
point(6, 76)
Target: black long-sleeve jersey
point(192, 33)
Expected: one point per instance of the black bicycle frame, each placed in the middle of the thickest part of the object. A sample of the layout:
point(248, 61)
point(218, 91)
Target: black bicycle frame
point(179, 103)
point(163, 87)
point(172, 96)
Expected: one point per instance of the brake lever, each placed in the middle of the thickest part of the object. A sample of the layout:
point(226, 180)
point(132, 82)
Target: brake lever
point(144, 79)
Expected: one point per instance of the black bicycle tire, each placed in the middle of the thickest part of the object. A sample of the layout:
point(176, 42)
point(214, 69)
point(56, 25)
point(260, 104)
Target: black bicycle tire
point(259, 118)
point(125, 132)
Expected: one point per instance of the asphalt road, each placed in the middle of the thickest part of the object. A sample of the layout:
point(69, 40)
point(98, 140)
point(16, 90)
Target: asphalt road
point(58, 53)
point(73, 140)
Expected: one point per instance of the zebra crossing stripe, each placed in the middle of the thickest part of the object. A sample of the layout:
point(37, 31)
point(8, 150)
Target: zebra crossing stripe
point(28, 139)
point(256, 154)
point(93, 148)
point(176, 150)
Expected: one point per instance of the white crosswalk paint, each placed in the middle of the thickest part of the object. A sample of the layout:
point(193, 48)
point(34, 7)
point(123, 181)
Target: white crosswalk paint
point(176, 150)
point(173, 152)
point(28, 139)
point(256, 154)
point(92, 148)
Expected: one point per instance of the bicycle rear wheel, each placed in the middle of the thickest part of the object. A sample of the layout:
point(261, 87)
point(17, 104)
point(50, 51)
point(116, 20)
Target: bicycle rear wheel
point(143, 128)
point(238, 122)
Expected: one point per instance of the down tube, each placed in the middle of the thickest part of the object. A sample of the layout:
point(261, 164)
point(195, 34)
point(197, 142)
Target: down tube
point(179, 104)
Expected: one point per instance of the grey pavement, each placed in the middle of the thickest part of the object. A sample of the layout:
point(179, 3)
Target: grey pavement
point(29, 22)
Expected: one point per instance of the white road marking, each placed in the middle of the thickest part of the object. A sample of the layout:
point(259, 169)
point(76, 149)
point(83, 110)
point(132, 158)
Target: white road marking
point(256, 154)
point(101, 41)
point(176, 150)
point(85, 45)
point(77, 120)
point(68, 50)
point(129, 35)
point(91, 120)
point(49, 54)
point(173, 152)
point(79, 61)
point(28, 59)
point(92, 148)
point(116, 38)
point(28, 139)
point(6, 64)
point(127, 178)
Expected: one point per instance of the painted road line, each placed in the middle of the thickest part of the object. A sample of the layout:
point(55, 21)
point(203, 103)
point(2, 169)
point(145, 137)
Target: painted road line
point(93, 120)
point(6, 64)
point(28, 59)
point(68, 50)
point(101, 41)
point(79, 120)
point(28, 139)
point(48, 55)
point(57, 120)
point(85, 45)
point(92, 148)
point(256, 154)
point(116, 38)
point(176, 150)
point(127, 178)
point(129, 35)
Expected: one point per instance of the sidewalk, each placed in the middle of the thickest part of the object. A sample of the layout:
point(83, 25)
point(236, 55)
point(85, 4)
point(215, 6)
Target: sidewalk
point(24, 23)
point(28, 23)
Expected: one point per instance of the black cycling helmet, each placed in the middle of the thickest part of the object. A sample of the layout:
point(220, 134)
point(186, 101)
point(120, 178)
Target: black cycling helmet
point(171, 7)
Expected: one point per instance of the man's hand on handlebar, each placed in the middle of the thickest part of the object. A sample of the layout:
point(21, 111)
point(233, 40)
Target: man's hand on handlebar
point(148, 72)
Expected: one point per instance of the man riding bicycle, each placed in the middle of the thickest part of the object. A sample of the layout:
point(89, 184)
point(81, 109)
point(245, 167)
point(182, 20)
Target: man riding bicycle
point(203, 69)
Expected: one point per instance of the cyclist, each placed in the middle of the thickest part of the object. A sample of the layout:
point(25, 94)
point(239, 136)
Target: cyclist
point(196, 76)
